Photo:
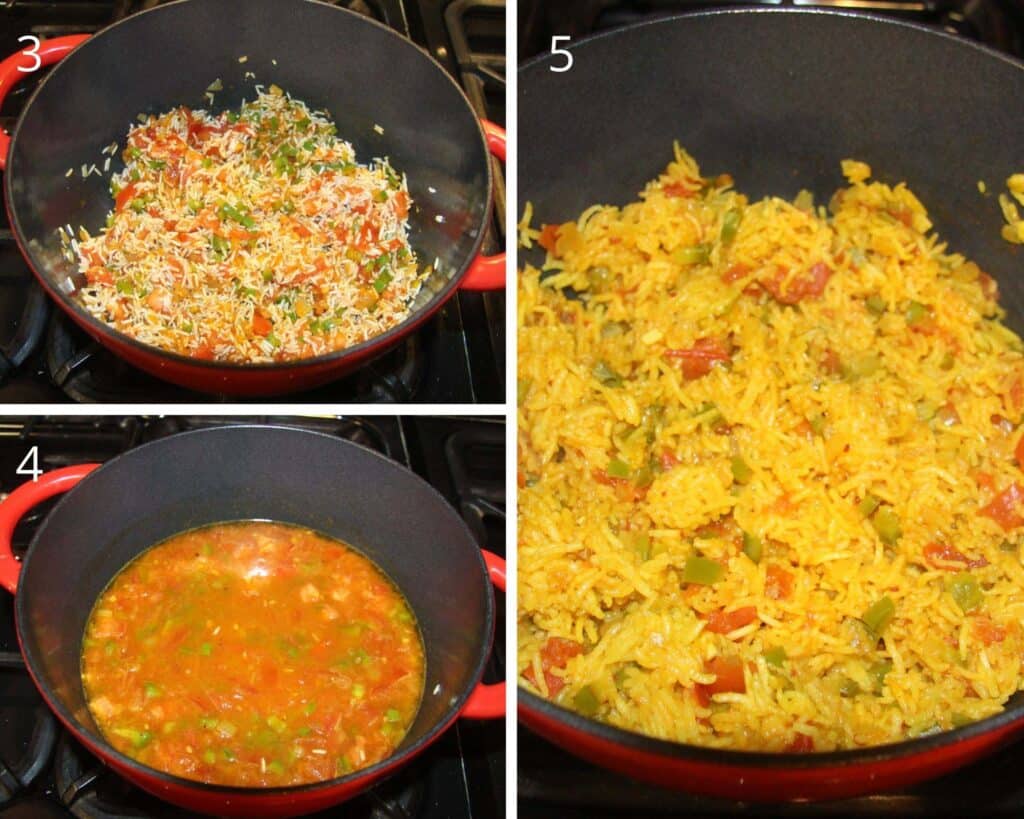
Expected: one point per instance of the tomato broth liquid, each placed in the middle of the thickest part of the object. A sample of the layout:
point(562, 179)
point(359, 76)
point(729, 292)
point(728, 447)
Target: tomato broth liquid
point(253, 654)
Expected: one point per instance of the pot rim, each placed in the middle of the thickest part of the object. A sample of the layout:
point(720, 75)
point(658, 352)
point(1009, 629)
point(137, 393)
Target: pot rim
point(535, 706)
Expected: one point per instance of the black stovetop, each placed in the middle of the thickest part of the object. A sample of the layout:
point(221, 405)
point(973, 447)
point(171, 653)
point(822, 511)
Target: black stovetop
point(553, 783)
point(44, 772)
point(458, 356)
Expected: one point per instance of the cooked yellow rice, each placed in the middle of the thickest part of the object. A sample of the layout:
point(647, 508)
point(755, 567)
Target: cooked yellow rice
point(849, 438)
point(1013, 230)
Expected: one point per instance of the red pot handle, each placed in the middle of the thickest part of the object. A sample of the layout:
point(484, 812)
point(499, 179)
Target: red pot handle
point(488, 272)
point(488, 701)
point(48, 53)
point(19, 502)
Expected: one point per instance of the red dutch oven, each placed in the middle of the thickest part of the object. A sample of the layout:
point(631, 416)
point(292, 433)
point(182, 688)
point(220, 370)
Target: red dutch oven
point(114, 511)
point(777, 98)
point(366, 75)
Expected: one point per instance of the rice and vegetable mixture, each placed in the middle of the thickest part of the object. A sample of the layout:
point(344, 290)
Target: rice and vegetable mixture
point(250, 236)
point(770, 470)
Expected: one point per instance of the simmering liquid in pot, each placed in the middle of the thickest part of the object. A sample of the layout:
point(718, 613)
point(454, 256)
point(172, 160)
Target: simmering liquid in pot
point(253, 654)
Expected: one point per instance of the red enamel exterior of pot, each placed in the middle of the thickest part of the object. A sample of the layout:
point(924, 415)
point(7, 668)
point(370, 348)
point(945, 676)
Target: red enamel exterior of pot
point(156, 60)
point(764, 777)
point(113, 512)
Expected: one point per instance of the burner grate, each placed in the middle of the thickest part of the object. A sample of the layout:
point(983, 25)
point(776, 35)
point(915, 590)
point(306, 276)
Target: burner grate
point(25, 715)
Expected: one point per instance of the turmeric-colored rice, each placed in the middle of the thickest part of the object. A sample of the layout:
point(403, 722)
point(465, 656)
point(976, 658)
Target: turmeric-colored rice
point(770, 481)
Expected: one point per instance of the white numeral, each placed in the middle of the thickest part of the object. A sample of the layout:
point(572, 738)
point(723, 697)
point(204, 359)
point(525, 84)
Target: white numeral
point(32, 51)
point(30, 464)
point(561, 52)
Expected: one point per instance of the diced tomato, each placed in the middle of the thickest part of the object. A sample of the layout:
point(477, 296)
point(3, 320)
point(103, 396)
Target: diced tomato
point(668, 459)
point(1005, 507)
point(948, 415)
point(680, 190)
point(99, 275)
point(735, 273)
point(368, 233)
point(1004, 425)
point(124, 196)
point(985, 480)
point(987, 631)
point(783, 505)
point(556, 653)
point(261, 325)
point(989, 286)
point(809, 285)
point(548, 237)
point(531, 677)
point(728, 673)
point(199, 131)
point(938, 553)
point(205, 351)
point(238, 235)
point(724, 622)
point(401, 204)
point(830, 362)
point(209, 219)
point(177, 265)
point(801, 744)
point(903, 214)
point(625, 489)
point(778, 583)
point(804, 429)
point(1017, 392)
point(717, 528)
point(697, 360)
point(160, 300)
point(520, 479)
point(701, 695)
point(301, 230)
